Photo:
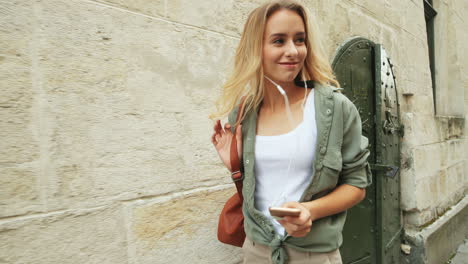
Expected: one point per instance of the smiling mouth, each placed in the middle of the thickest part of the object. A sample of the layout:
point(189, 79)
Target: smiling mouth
point(289, 63)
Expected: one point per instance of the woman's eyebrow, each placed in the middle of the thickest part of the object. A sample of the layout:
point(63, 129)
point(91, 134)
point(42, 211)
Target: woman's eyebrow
point(298, 34)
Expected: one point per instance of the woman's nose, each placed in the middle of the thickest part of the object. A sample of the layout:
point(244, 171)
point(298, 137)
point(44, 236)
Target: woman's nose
point(291, 49)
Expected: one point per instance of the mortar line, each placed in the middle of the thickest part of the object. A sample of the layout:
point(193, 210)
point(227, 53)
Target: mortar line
point(103, 4)
point(74, 211)
point(439, 142)
point(160, 198)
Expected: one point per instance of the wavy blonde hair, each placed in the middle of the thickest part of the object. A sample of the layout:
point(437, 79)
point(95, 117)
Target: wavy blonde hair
point(247, 76)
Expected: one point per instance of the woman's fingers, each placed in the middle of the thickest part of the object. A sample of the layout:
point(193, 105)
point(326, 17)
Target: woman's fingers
point(220, 128)
point(295, 230)
point(297, 226)
point(217, 138)
point(227, 128)
point(213, 139)
point(217, 130)
point(223, 134)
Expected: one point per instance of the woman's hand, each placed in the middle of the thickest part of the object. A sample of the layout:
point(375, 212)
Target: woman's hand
point(222, 138)
point(297, 226)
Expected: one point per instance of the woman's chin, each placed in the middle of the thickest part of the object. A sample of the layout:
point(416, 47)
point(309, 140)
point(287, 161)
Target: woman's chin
point(284, 78)
point(287, 79)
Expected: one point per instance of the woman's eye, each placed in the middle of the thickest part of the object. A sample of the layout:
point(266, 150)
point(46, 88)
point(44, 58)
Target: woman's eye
point(300, 40)
point(278, 41)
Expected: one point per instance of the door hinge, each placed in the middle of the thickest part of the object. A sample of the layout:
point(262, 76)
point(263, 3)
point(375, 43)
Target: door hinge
point(389, 170)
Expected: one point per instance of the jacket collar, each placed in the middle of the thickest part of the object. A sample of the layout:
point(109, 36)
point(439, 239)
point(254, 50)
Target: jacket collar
point(323, 102)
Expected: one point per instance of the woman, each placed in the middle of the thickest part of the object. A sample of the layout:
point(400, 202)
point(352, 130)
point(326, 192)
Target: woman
point(315, 161)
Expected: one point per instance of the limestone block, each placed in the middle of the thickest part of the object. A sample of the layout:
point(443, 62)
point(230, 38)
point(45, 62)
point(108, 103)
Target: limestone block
point(420, 129)
point(124, 103)
point(18, 24)
point(463, 178)
point(81, 236)
point(459, 7)
point(455, 188)
point(393, 11)
point(154, 8)
point(408, 199)
point(430, 191)
point(428, 160)
point(456, 151)
point(364, 26)
point(417, 218)
point(179, 230)
point(337, 32)
point(227, 17)
point(450, 56)
point(423, 105)
point(413, 70)
point(18, 143)
point(412, 19)
point(375, 8)
point(390, 41)
point(450, 127)
point(442, 184)
point(83, 52)
point(19, 190)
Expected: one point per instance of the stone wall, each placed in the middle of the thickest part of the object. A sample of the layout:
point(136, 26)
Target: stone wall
point(105, 154)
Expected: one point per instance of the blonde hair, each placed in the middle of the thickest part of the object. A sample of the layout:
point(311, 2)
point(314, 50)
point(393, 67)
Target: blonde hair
point(247, 76)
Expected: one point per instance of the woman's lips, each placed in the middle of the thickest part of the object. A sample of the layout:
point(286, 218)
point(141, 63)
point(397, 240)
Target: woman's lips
point(289, 65)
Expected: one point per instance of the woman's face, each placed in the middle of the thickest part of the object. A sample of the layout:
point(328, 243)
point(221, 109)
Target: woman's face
point(284, 48)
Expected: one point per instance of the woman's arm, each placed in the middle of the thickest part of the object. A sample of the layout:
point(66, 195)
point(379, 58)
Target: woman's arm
point(342, 198)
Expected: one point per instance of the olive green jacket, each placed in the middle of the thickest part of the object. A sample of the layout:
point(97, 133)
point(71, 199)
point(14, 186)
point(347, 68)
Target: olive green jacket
point(340, 158)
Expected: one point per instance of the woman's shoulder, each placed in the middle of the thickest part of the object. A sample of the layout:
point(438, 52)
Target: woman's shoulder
point(331, 91)
point(342, 104)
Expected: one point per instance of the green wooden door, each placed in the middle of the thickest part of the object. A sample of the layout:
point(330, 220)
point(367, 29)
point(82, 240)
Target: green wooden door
point(367, 235)
point(387, 166)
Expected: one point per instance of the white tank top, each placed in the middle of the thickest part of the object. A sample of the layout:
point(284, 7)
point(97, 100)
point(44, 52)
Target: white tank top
point(274, 185)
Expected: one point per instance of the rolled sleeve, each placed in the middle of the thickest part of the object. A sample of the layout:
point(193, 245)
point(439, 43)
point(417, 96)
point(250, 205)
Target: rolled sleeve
point(356, 170)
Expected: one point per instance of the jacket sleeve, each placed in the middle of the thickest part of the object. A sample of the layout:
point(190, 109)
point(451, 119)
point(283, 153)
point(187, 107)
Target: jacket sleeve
point(356, 170)
point(232, 118)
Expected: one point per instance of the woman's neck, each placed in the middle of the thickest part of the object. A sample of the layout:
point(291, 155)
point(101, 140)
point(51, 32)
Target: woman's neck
point(274, 100)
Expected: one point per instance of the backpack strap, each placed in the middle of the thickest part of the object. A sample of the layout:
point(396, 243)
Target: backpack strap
point(236, 174)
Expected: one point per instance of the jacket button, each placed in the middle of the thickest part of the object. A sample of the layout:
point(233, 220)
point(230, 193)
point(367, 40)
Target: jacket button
point(323, 150)
point(319, 165)
point(247, 161)
point(328, 111)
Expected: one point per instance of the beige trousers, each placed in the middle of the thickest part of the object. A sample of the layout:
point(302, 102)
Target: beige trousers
point(255, 253)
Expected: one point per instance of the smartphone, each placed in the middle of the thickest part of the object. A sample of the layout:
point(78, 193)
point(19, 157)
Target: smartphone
point(282, 211)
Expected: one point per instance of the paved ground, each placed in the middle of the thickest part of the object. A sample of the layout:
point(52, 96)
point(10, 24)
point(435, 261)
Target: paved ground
point(462, 254)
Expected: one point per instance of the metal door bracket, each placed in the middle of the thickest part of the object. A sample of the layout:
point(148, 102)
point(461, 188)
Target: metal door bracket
point(390, 171)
